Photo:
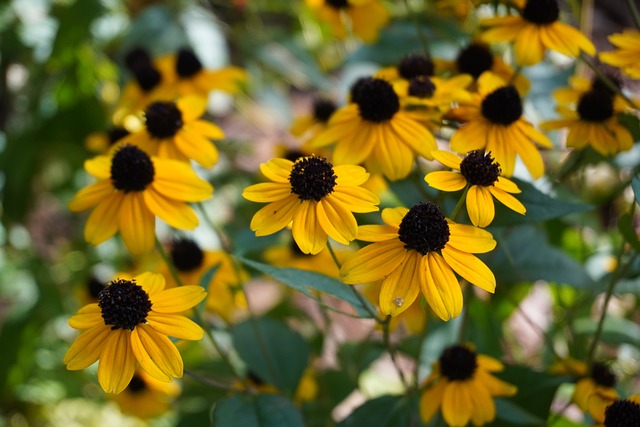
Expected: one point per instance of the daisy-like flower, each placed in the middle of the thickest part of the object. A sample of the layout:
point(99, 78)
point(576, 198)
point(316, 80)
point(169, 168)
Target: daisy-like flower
point(495, 124)
point(481, 173)
point(411, 66)
point(317, 198)
point(364, 18)
point(623, 413)
point(314, 123)
point(596, 391)
point(133, 189)
point(174, 130)
point(132, 322)
point(145, 397)
point(374, 130)
point(462, 386)
point(418, 250)
point(536, 29)
point(592, 119)
point(626, 55)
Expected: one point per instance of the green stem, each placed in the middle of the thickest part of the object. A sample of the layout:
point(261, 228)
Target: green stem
point(460, 203)
point(391, 350)
point(462, 332)
point(208, 381)
point(421, 35)
point(607, 81)
point(167, 260)
point(225, 242)
point(634, 12)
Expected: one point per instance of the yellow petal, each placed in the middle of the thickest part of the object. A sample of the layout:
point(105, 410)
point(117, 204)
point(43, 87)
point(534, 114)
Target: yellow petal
point(87, 317)
point(336, 220)
point(414, 135)
point(468, 238)
point(394, 216)
point(446, 181)
point(456, 404)
point(156, 353)
point(267, 192)
point(197, 147)
point(350, 175)
point(508, 200)
point(99, 166)
point(136, 223)
point(174, 212)
point(376, 233)
point(191, 107)
point(179, 181)
point(440, 287)
point(470, 267)
point(175, 326)
point(102, 224)
point(275, 216)
point(90, 196)
point(480, 206)
point(448, 159)
point(205, 129)
point(306, 229)
point(277, 170)
point(373, 262)
point(399, 289)
point(431, 400)
point(86, 349)
point(152, 283)
point(356, 199)
point(177, 300)
point(117, 362)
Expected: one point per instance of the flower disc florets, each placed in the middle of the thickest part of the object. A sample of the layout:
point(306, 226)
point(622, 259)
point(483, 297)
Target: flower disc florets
point(131, 169)
point(421, 87)
point(502, 106)
point(475, 59)
point(323, 109)
point(124, 304)
point(414, 65)
point(595, 106)
point(622, 413)
point(312, 178)
point(163, 119)
point(376, 98)
point(424, 229)
point(141, 65)
point(541, 11)
point(186, 255)
point(458, 363)
point(187, 63)
point(479, 168)
point(602, 375)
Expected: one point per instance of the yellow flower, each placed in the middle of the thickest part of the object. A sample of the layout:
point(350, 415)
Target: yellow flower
point(364, 17)
point(411, 66)
point(536, 29)
point(418, 250)
point(132, 190)
point(145, 397)
point(316, 197)
point(462, 387)
point(413, 320)
point(495, 124)
point(291, 256)
point(481, 174)
point(596, 391)
point(626, 56)
point(374, 130)
point(623, 413)
point(315, 123)
point(132, 321)
point(100, 142)
point(173, 130)
point(590, 111)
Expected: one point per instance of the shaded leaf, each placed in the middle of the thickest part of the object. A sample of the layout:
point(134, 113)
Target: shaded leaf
point(262, 410)
point(615, 330)
point(625, 226)
point(384, 411)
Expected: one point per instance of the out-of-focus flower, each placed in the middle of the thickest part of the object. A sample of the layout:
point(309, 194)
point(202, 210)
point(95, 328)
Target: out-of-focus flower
point(365, 18)
point(627, 53)
point(146, 397)
point(595, 392)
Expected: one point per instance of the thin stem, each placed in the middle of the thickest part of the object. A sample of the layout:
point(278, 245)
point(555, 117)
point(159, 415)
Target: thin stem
point(634, 12)
point(462, 332)
point(460, 203)
point(225, 242)
point(209, 381)
point(607, 81)
point(391, 350)
point(421, 35)
point(167, 260)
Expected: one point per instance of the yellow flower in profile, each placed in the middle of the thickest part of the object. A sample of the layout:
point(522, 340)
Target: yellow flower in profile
point(536, 29)
point(418, 250)
point(317, 198)
point(365, 18)
point(590, 113)
point(462, 386)
point(495, 124)
point(627, 53)
point(373, 130)
point(132, 322)
point(132, 190)
point(145, 397)
point(623, 413)
point(596, 391)
point(173, 130)
point(481, 174)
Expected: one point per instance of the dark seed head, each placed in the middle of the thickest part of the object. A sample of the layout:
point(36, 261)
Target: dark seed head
point(137, 385)
point(163, 119)
point(312, 178)
point(140, 64)
point(602, 375)
point(502, 106)
point(116, 133)
point(147, 78)
point(131, 169)
point(187, 63)
point(124, 304)
point(595, 106)
point(137, 58)
point(458, 363)
point(475, 59)
point(479, 168)
point(376, 98)
point(424, 229)
point(294, 155)
point(94, 286)
point(323, 109)
point(622, 413)
point(186, 255)
point(338, 4)
point(541, 11)
point(597, 85)
point(414, 65)
point(421, 87)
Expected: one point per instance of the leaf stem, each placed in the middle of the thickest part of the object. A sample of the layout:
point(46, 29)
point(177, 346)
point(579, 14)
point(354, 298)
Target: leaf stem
point(460, 203)
point(392, 351)
point(607, 81)
point(634, 12)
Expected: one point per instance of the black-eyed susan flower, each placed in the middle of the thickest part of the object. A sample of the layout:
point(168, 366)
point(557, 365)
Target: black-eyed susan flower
point(413, 320)
point(132, 322)
point(317, 198)
point(174, 130)
point(410, 66)
point(623, 413)
point(192, 263)
point(145, 397)
point(627, 53)
point(316, 122)
point(495, 124)
point(418, 250)
point(596, 391)
point(100, 142)
point(373, 130)
point(536, 29)
point(590, 113)
point(462, 386)
point(479, 171)
point(133, 189)
point(185, 75)
point(364, 18)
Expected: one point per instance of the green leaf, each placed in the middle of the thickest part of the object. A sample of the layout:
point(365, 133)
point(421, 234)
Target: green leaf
point(384, 411)
point(632, 123)
point(305, 281)
point(540, 207)
point(272, 351)
point(635, 185)
point(513, 414)
point(524, 254)
point(615, 330)
point(625, 226)
point(262, 410)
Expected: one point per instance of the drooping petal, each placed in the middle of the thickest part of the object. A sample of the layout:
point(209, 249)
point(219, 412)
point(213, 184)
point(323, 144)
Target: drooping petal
point(117, 362)
point(508, 200)
point(484, 409)
point(336, 220)
point(394, 216)
point(197, 147)
point(178, 181)
point(275, 216)
point(277, 170)
point(440, 287)
point(175, 326)
point(174, 212)
point(456, 404)
point(431, 400)
point(373, 262)
point(102, 224)
point(206, 129)
point(136, 223)
point(191, 107)
point(87, 317)
point(266, 192)
point(86, 349)
point(177, 300)
point(356, 199)
point(156, 353)
point(468, 238)
point(91, 195)
point(480, 206)
point(448, 159)
point(152, 283)
point(470, 267)
point(307, 230)
point(446, 181)
point(350, 175)
point(399, 289)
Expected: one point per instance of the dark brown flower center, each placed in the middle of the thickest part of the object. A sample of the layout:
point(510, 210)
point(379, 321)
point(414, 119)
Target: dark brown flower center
point(541, 11)
point(595, 106)
point(602, 375)
point(622, 413)
point(137, 385)
point(163, 119)
point(116, 133)
point(124, 304)
point(421, 87)
point(338, 4)
point(424, 229)
point(140, 64)
point(376, 99)
point(312, 178)
point(479, 168)
point(94, 287)
point(187, 63)
point(475, 59)
point(502, 106)
point(131, 169)
point(414, 65)
point(186, 255)
point(323, 109)
point(458, 363)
